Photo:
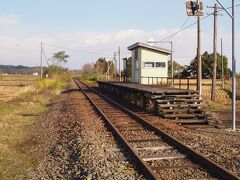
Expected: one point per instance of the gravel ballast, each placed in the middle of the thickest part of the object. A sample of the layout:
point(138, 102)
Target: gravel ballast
point(75, 143)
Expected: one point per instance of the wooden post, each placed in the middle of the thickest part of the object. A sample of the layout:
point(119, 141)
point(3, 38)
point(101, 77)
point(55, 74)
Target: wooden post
point(144, 102)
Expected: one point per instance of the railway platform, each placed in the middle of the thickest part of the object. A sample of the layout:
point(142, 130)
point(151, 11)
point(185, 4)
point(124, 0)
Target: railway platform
point(182, 106)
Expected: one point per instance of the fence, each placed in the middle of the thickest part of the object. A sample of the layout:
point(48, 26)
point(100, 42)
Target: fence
point(180, 83)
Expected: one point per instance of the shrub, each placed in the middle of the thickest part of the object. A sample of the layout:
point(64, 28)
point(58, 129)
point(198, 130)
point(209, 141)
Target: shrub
point(50, 84)
point(89, 77)
point(56, 72)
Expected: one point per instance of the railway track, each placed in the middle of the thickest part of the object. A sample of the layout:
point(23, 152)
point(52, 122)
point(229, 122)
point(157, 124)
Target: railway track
point(155, 152)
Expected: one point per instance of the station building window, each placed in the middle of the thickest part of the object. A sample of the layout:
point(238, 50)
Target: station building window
point(149, 64)
point(160, 64)
point(154, 64)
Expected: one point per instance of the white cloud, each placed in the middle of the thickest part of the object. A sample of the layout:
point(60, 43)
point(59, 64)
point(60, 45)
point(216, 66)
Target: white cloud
point(8, 19)
point(20, 50)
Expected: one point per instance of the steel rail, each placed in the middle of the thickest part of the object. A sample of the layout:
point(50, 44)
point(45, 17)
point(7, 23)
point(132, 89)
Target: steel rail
point(202, 159)
point(142, 165)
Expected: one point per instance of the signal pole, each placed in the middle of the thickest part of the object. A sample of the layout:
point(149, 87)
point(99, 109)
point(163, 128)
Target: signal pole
point(41, 70)
point(199, 59)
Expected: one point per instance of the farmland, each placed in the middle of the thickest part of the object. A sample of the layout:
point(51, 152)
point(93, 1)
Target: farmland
point(21, 105)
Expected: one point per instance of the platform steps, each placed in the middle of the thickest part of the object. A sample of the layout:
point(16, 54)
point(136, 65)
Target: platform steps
point(184, 109)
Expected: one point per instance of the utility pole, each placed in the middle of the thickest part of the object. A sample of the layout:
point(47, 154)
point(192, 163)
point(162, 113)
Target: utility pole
point(115, 63)
point(232, 16)
point(233, 67)
point(172, 70)
point(41, 70)
point(214, 73)
point(119, 59)
point(108, 70)
point(222, 64)
point(199, 59)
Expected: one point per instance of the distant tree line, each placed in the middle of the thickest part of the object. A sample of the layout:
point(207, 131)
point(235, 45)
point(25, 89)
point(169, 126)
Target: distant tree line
point(190, 71)
point(25, 70)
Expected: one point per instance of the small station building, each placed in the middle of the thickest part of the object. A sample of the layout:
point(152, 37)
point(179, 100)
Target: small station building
point(149, 63)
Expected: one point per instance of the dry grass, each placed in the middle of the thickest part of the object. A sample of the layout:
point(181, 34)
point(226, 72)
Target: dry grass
point(11, 86)
point(19, 113)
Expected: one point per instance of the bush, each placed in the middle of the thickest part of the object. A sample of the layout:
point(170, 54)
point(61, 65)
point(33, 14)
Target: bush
point(56, 72)
point(50, 84)
point(89, 77)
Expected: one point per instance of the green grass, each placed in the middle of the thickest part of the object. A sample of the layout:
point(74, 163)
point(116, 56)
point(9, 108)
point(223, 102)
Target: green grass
point(89, 77)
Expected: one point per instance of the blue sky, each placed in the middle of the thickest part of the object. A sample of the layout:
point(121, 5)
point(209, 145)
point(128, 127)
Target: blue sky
point(99, 27)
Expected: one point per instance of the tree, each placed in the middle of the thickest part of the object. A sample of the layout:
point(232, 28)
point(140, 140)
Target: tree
point(177, 69)
point(60, 57)
point(88, 68)
point(55, 70)
point(207, 64)
point(102, 65)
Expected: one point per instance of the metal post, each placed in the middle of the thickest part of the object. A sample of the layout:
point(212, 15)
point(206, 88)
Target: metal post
point(233, 63)
point(213, 94)
point(222, 64)
point(172, 60)
point(233, 68)
point(41, 70)
point(119, 59)
point(199, 60)
point(115, 63)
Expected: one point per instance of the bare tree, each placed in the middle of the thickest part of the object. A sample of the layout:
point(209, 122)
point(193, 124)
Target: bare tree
point(88, 68)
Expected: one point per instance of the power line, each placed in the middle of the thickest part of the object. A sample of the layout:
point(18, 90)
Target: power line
point(172, 35)
point(45, 56)
point(185, 22)
point(78, 50)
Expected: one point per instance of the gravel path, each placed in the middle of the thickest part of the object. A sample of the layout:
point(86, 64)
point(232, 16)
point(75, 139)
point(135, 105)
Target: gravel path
point(75, 144)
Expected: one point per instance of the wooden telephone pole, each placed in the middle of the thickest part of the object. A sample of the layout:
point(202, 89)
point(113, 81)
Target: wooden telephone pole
point(214, 70)
point(41, 69)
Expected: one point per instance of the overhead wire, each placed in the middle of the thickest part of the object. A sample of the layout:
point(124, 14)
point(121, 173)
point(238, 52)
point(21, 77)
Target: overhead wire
point(45, 56)
point(185, 22)
point(183, 29)
point(78, 50)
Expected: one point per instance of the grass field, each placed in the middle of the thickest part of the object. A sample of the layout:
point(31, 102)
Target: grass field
point(20, 109)
point(11, 86)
